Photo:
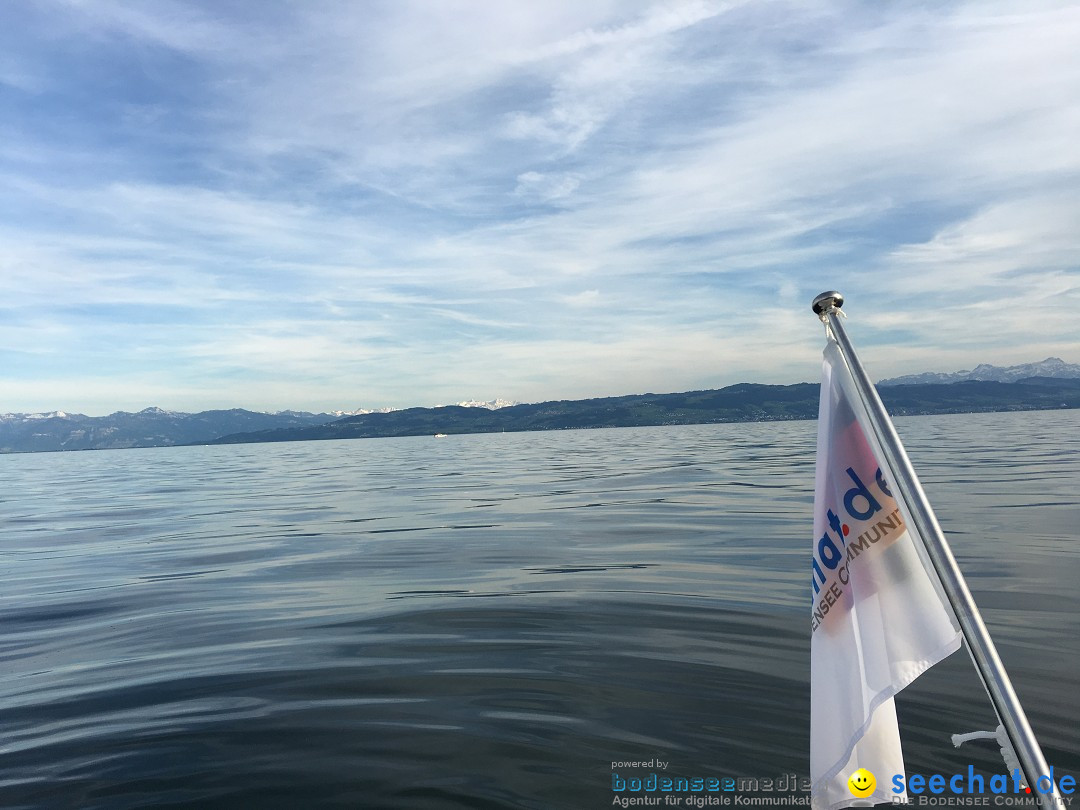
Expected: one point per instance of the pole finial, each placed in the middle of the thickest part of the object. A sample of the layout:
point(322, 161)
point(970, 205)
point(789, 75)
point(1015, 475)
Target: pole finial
point(826, 301)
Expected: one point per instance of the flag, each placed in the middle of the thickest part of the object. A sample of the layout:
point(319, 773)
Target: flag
point(879, 617)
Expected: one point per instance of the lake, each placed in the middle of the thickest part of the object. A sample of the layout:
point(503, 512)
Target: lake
point(487, 621)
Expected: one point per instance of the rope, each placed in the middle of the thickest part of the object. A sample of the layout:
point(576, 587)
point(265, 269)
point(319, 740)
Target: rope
point(1012, 761)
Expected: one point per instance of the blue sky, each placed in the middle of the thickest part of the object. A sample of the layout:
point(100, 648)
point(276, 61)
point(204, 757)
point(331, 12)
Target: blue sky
point(328, 205)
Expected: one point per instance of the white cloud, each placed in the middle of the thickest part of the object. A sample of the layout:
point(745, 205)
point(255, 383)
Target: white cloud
point(566, 198)
point(546, 187)
point(585, 298)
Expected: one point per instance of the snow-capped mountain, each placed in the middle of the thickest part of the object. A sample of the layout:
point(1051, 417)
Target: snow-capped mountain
point(357, 412)
point(150, 427)
point(29, 417)
point(156, 427)
point(1050, 367)
point(491, 405)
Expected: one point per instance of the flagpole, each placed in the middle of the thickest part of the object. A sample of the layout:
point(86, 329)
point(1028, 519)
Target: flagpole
point(983, 653)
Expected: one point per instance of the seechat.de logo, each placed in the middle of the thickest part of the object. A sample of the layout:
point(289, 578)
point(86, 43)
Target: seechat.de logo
point(861, 783)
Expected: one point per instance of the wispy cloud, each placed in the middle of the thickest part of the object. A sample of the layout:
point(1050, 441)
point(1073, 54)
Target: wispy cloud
point(391, 204)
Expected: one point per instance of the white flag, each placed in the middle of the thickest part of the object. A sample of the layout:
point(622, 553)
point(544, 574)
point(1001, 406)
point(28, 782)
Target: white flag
point(879, 617)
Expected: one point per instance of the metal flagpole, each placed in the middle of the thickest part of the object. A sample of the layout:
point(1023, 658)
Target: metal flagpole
point(992, 672)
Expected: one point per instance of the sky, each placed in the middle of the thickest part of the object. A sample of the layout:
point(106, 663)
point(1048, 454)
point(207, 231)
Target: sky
point(340, 205)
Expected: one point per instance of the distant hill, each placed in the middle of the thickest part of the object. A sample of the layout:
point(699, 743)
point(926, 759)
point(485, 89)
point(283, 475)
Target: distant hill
point(152, 427)
point(744, 402)
point(1053, 367)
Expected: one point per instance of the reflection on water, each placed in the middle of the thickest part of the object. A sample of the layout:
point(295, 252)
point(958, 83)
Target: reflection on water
point(484, 621)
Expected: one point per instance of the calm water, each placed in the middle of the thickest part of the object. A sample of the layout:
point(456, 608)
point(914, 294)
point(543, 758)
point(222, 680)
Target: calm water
point(485, 621)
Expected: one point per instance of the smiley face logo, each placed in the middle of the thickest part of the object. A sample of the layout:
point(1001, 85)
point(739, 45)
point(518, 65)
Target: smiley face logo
point(861, 783)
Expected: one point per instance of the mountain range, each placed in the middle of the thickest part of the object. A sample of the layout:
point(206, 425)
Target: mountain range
point(1050, 367)
point(985, 388)
point(151, 427)
point(744, 402)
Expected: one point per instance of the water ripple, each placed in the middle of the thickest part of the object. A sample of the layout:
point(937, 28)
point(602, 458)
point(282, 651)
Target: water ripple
point(328, 624)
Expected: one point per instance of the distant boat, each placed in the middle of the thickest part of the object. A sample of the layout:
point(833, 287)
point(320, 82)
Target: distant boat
point(440, 435)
